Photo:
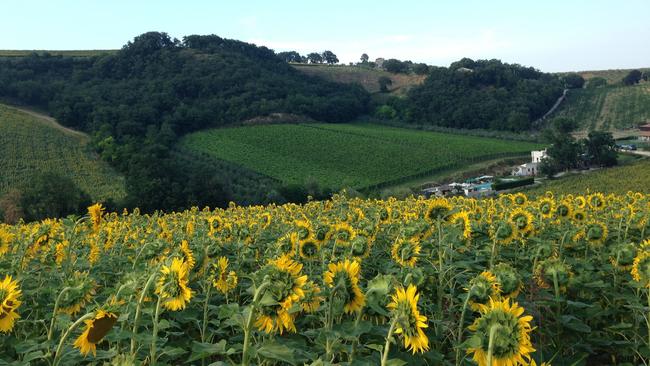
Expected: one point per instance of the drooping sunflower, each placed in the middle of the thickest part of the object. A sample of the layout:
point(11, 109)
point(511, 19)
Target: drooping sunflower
point(409, 322)
point(564, 210)
point(344, 277)
point(95, 212)
point(510, 333)
point(580, 202)
point(5, 241)
point(81, 289)
point(304, 229)
point(579, 216)
point(509, 280)
point(187, 254)
point(309, 248)
point(641, 265)
point(9, 302)
point(313, 299)
point(503, 232)
point(342, 233)
point(437, 209)
point(550, 270)
point(520, 199)
point(546, 207)
point(215, 224)
point(406, 251)
point(361, 245)
point(96, 330)
point(523, 220)
point(481, 288)
point(596, 201)
point(596, 233)
point(622, 256)
point(462, 218)
point(286, 289)
point(222, 279)
point(172, 285)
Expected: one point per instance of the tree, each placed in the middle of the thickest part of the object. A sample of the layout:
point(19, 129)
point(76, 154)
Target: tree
point(386, 112)
point(633, 77)
point(645, 76)
point(395, 66)
point(315, 58)
point(290, 56)
point(364, 58)
point(330, 57)
point(574, 81)
point(50, 195)
point(600, 148)
point(384, 83)
point(420, 69)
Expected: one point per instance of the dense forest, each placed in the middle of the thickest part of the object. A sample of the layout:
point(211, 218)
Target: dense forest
point(486, 94)
point(138, 101)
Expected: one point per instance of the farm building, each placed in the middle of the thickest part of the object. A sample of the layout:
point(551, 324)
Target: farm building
point(644, 132)
point(531, 168)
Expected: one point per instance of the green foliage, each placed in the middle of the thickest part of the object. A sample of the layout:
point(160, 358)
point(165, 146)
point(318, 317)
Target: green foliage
point(52, 195)
point(483, 94)
point(573, 81)
point(359, 156)
point(596, 82)
point(29, 144)
point(600, 148)
point(385, 112)
point(509, 184)
point(384, 83)
point(633, 77)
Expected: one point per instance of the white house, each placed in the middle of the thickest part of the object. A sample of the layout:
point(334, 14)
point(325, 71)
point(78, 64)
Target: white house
point(531, 168)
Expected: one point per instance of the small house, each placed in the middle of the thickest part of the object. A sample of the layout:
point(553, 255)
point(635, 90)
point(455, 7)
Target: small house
point(532, 168)
point(644, 132)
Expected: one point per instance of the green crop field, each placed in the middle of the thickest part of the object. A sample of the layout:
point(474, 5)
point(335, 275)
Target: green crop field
point(614, 108)
point(633, 177)
point(30, 145)
point(355, 155)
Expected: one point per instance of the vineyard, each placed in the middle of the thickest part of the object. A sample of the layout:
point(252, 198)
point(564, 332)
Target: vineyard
point(337, 155)
point(611, 108)
point(618, 180)
point(508, 281)
point(28, 145)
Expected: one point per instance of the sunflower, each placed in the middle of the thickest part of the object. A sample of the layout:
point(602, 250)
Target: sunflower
point(596, 201)
point(187, 254)
point(580, 202)
point(503, 232)
point(345, 276)
point(437, 209)
point(406, 251)
point(5, 241)
point(288, 243)
point(81, 290)
point(342, 233)
point(622, 256)
point(508, 279)
point(564, 210)
point(482, 288)
point(96, 330)
point(223, 280)
point(462, 218)
point(579, 216)
point(216, 224)
point(285, 289)
point(641, 265)
point(361, 245)
point(523, 220)
point(550, 270)
point(313, 299)
point(309, 248)
point(410, 322)
point(172, 285)
point(502, 322)
point(304, 229)
point(519, 199)
point(596, 233)
point(546, 207)
point(9, 302)
point(95, 212)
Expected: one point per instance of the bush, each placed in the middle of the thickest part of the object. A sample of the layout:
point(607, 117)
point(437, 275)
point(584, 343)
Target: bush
point(574, 81)
point(501, 185)
point(51, 195)
point(386, 112)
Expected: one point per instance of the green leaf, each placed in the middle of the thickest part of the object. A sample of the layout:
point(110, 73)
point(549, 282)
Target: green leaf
point(276, 351)
point(376, 347)
point(202, 350)
point(395, 362)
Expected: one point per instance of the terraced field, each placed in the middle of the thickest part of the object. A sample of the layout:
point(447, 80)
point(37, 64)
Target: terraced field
point(355, 155)
point(29, 144)
point(619, 109)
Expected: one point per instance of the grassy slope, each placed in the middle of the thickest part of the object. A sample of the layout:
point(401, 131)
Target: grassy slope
point(632, 177)
point(29, 144)
point(69, 53)
point(359, 156)
point(612, 76)
point(368, 78)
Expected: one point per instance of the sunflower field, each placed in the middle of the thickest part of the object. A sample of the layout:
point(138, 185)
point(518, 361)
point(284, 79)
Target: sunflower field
point(561, 280)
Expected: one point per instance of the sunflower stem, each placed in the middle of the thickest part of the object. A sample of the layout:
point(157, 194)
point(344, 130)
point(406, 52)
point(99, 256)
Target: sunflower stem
point(493, 331)
point(459, 336)
point(389, 336)
point(154, 334)
point(205, 312)
point(494, 252)
point(249, 322)
point(74, 325)
point(56, 307)
point(138, 307)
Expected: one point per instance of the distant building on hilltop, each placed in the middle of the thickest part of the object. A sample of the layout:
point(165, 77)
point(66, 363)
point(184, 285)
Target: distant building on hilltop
point(531, 168)
point(379, 63)
point(644, 132)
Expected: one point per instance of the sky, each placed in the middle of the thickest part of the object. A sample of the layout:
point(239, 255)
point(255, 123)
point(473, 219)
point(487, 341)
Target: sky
point(550, 35)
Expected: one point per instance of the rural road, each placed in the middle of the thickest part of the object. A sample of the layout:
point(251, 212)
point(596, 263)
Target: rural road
point(639, 152)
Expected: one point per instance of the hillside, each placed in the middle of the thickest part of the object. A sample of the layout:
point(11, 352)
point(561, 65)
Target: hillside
point(633, 177)
point(66, 53)
point(356, 155)
point(30, 144)
point(613, 76)
point(616, 108)
point(364, 76)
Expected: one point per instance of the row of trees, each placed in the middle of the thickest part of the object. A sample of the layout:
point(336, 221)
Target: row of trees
point(327, 57)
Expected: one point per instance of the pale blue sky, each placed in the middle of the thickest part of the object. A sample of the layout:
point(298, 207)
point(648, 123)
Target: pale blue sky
point(550, 35)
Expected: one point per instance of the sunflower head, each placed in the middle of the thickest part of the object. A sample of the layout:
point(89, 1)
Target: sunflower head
point(596, 201)
point(172, 285)
point(304, 229)
point(409, 322)
point(641, 266)
point(286, 282)
point(222, 279)
point(309, 248)
point(96, 330)
point(81, 289)
point(462, 219)
point(437, 209)
point(509, 331)
point(550, 270)
point(405, 252)
point(342, 233)
point(564, 210)
point(523, 220)
point(596, 233)
point(361, 245)
point(622, 256)
point(9, 303)
point(343, 279)
point(313, 299)
point(579, 216)
point(509, 280)
point(546, 207)
point(481, 288)
point(519, 199)
point(95, 212)
point(503, 232)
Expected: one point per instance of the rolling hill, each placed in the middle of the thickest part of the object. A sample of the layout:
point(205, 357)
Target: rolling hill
point(31, 144)
point(357, 155)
